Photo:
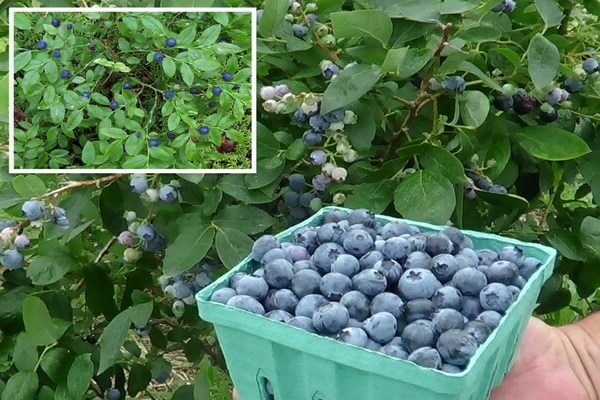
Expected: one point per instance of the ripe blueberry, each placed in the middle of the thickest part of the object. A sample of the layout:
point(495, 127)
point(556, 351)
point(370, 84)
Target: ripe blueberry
point(194, 90)
point(153, 142)
point(86, 95)
point(217, 90)
point(169, 94)
point(170, 42)
point(56, 54)
point(158, 56)
point(55, 22)
point(127, 85)
point(65, 74)
point(69, 26)
point(204, 130)
point(171, 135)
point(114, 105)
point(227, 76)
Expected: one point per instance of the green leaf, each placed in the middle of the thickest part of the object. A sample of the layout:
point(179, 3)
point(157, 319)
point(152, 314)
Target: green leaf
point(590, 236)
point(112, 339)
point(567, 243)
point(350, 85)
point(362, 23)
point(29, 186)
point(471, 68)
point(38, 324)
point(232, 246)
point(209, 35)
point(49, 268)
point(187, 36)
point(25, 355)
point(543, 58)
point(441, 161)
point(405, 61)
point(247, 219)
point(113, 133)
point(80, 375)
point(22, 21)
point(160, 154)
point(74, 120)
point(173, 121)
point(21, 60)
point(99, 291)
point(550, 12)
point(509, 201)
point(425, 196)
point(88, 154)
point(295, 151)
point(415, 10)
point(201, 390)
point(21, 386)
point(138, 380)
point(273, 13)
point(134, 162)
point(374, 196)
point(474, 108)
point(187, 74)
point(265, 176)
point(550, 143)
point(190, 246)
point(57, 112)
point(169, 67)
point(140, 313)
point(55, 364)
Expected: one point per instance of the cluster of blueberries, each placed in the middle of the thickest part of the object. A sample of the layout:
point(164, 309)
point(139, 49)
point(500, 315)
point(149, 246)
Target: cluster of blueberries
point(482, 183)
point(182, 287)
point(505, 6)
point(33, 211)
point(429, 298)
point(300, 204)
point(148, 238)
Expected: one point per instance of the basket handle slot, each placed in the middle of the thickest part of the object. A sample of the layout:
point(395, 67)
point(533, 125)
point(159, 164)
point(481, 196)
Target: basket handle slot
point(266, 389)
point(318, 396)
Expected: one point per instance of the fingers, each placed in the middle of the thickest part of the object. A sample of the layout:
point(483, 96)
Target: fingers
point(235, 395)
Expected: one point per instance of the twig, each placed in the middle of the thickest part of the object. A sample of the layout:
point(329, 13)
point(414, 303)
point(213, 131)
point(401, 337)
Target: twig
point(105, 249)
point(446, 28)
point(331, 54)
point(77, 184)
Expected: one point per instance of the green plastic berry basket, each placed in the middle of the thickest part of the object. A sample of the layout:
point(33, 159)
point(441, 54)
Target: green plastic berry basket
point(305, 366)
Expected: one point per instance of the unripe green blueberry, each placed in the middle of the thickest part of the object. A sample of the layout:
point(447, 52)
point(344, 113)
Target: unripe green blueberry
point(329, 40)
point(131, 255)
point(270, 106)
point(434, 85)
point(316, 204)
point(339, 174)
point(349, 118)
point(175, 183)
point(152, 195)
point(133, 227)
point(322, 30)
point(509, 88)
point(491, 163)
point(342, 148)
point(280, 108)
point(177, 87)
point(474, 158)
point(130, 216)
point(580, 71)
point(351, 156)
point(190, 300)
point(178, 308)
point(308, 108)
point(337, 126)
point(310, 99)
point(328, 168)
point(288, 98)
point(311, 7)
point(267, 92)
point(339, 199)
point(289, 17)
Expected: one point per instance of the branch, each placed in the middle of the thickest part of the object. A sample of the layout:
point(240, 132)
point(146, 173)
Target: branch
point(446, 28)
point(77, 184)
point(105, 249)
point(331, 54)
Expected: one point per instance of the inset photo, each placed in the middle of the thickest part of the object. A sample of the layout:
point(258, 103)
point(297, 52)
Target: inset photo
point(107, 90)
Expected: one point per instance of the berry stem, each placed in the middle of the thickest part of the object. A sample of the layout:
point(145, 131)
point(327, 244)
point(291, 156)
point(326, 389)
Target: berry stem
point(78, 184)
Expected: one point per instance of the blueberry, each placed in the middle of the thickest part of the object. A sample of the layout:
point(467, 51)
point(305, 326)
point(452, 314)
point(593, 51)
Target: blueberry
point(296, 182)
point(86, 95)
point(395, 229)
point(159, 57)
point(334, 285)
point(438, 243)
point(418, 334)
point(454, 84)
point(387, 302)
point(154, 142)
point(296, 253)
point(279, 273)
point(362, 216)
point(195, 90)
point(22, 241)
point(503, 272)
point(169, 94)
point(42, 44)
point(328, 70)
point(138, 135)
point(426, 357)
point(446, 319)
point(59, 217)
point(181, 290)
point(418, 283)
point(396, 248)
point(306, 198)
point(490, 318)
point(56, 54)
point(318, 157)
point(471, 307)
point(171, 135)
point(246, 303)
point(170, 42)
point(345, 264)
point(330, 318)
point(418, 259)
point(291, 198)
point(444, 267)
point(32, 210)
point(381, 327)
point(514, 291)
point(114, 105)
point(55, 22)
point(487, 257)
point(373, 345)
point(529, 266)
point(523, 103)
point(369, 282)
point(279, 315)
point(496, 297)
point(92, 47)
point(469, 281)
point(329, 232)
point(456, 347)
point(304, 264)
point(308, 304)
point(146, 231)
point(69, 26)
point(8, 223)
point(302, 323)
point(300, 31)
point(554, 96)
point(590, 65)
point(478, 330)
point(325, 255)
point(212, 104)
point(504, 102)
point(65, 74)
point(447, 297)
point(217, 90)
point(471, 254)
point(127, 85)
point(572, 85)
point(335, 216)
point(227, 76)
point(11, 259)
point(235, 279)
point(167, 193)
point(306, 282)
point(353, 336)
point(395, 351)
point(222, 295)
point(418, 309)
point(252, 286)
point(138, 183)
point(275, 254)
point(358, 242)
point(511, 253)
point(369, 259)
point(392, 271)
point(264, 244)
point(465, 262)
point(357, 305)
point(237, 86)
point(451, 369)
point(318, 123)
point(112, 394)
point(312, 138)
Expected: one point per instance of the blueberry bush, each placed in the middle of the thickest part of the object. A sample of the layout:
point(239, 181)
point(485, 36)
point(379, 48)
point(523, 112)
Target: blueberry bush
point(133, 90)
point(481, 113)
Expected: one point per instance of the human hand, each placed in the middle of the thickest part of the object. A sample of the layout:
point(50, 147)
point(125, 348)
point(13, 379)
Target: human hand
point(548, 366)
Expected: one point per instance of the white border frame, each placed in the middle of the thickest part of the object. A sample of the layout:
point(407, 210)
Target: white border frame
point(11, 126)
